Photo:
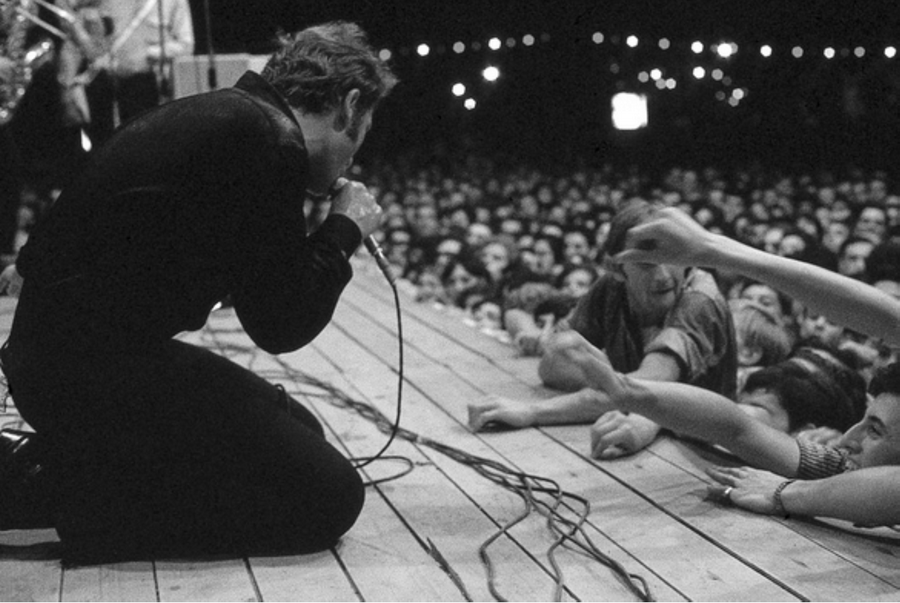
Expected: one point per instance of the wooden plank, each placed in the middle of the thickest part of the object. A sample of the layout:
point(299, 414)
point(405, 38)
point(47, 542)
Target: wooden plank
point(805, 567)
point(314, 577)
point(872, 550)
point(134, 581)
point(372, 295)
point(29, 565)
point(215, 579)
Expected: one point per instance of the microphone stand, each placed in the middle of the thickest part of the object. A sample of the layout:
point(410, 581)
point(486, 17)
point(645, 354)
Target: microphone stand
point(212, 74)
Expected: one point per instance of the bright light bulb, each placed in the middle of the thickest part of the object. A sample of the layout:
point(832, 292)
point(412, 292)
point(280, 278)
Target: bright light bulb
point(491, 73)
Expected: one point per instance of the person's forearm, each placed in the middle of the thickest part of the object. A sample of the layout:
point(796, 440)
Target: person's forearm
point(686, 409)
point(583, 406)
point(867, 496)
point(845, 301)
point(699, 413)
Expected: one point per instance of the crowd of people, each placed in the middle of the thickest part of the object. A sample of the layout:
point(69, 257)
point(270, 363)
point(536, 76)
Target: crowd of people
point(512, 248)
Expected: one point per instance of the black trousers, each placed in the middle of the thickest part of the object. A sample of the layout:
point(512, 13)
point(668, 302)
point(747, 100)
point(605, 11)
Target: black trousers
point(175, 450)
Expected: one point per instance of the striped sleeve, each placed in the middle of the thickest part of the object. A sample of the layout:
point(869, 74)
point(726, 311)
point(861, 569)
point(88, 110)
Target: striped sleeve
point(818, 461)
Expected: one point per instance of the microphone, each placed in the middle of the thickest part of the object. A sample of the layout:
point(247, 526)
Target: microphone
point(373, 247)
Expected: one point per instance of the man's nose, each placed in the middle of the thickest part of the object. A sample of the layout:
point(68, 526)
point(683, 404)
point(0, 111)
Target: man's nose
point(851, 438)
point(663, 272)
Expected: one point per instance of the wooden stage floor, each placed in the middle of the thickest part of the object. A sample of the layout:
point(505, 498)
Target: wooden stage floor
point(419, 535)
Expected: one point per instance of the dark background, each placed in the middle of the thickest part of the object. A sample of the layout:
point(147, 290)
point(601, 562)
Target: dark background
point(552, 100)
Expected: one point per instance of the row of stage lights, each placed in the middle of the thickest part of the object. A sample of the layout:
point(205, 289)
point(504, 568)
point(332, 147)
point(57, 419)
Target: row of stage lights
point(722, 50)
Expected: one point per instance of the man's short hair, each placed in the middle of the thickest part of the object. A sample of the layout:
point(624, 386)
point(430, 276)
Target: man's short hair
point(635, 211)
point(808, 398)
point(315, 68)
point(838, 366)
point(886, 380)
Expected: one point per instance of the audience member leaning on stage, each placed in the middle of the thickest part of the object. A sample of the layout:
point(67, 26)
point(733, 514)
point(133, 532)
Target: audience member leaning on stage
point(654, 321)
point(868, 495)
point(151, 446)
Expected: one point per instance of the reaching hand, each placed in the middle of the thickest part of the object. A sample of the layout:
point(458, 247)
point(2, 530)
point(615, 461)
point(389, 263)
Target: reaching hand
point(11, 281)
point(503, 411)
point(616, 434)
point(355, 201)
point(671, 237)
point(530, 343)
point(751, 489)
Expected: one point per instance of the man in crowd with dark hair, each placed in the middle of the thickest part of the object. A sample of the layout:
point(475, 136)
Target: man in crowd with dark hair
point(790, 397)
point(654, 321)
point(852, 257)
point(145, 445)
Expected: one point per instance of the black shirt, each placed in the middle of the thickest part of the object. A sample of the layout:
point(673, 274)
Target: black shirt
point(192, 201)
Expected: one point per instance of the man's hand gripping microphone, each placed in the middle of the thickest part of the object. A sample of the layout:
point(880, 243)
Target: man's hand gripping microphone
point(357, 203)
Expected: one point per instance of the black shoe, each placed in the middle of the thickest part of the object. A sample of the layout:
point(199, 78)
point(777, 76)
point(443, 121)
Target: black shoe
point(25, 495)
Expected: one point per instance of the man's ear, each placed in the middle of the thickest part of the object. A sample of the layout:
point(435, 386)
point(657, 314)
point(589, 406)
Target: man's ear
point(346, 113)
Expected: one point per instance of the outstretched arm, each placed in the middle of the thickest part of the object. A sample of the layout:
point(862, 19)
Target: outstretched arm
point(674, 238)
point(688, 410)
point(577, 407)
point(870, 497)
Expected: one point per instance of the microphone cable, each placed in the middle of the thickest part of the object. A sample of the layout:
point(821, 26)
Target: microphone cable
point(384, 266)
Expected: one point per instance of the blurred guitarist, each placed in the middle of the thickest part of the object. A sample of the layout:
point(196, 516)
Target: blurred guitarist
point(146, 36)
